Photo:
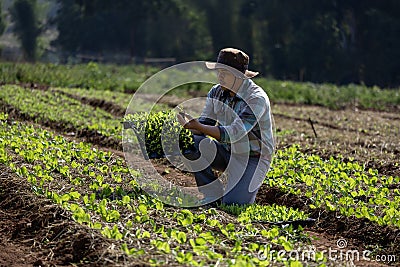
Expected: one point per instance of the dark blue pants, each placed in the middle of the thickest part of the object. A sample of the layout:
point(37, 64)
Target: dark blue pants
point(244, 174)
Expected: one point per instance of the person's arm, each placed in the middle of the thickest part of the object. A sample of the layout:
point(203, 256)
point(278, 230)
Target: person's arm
point(207, 116)
point(196, 132)
point(243, 122)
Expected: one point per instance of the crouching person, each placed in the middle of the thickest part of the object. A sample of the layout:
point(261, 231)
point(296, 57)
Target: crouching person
point(237, 117)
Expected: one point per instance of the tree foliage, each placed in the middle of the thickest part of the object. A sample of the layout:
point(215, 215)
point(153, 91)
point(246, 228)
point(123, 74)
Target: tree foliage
point(26, 26)
point(339, 41)
point(2, 23)
point(140, 28)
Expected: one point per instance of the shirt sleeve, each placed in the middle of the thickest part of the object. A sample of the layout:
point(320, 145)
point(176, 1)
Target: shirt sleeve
point(208, 116)
point(245, 121)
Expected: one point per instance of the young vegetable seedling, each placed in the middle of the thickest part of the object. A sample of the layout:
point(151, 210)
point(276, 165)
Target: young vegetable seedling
point(181, 111)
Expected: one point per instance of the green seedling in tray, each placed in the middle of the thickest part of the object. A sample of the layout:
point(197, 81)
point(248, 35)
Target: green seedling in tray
point(157, 133)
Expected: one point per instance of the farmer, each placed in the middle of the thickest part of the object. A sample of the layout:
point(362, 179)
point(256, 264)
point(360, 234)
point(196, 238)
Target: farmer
point(237, 116)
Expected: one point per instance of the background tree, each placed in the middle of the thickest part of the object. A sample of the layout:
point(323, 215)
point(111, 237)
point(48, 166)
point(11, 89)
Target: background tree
point(27, 29)
point(181, 33)
point(2, 22)
point(338, 41)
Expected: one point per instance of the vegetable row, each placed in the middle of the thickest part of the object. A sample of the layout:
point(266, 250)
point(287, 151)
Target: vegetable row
point(99, 190)
point(336, 184)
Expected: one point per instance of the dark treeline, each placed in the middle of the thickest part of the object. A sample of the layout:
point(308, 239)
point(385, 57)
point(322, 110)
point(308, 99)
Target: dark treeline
point(338, 41)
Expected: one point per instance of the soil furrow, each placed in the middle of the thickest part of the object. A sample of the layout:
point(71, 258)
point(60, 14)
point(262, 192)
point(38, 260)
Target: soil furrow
point(36, 232)
point(362, 232)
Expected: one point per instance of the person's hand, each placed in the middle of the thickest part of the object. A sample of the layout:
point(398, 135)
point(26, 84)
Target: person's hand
point(187, 121)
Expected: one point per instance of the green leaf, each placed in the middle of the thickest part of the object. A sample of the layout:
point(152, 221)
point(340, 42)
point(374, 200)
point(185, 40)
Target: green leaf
point(295, 264)
point(182, 237)
point(142, 208)
point(75, 195)
point(126, 200)
point(146, 234)
point(200, 241)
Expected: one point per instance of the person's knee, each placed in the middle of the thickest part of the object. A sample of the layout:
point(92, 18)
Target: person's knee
point(240, 194)
point(197, 139)
point(205, 147)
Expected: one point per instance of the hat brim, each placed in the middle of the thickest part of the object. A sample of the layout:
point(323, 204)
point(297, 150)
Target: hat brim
point(247, 75)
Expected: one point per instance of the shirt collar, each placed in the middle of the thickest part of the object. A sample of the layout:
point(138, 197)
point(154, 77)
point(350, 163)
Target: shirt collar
point(240, 93)
point(243, 88)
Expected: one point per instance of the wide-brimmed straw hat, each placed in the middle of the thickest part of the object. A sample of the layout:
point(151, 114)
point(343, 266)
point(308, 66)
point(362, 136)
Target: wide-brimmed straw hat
point(229, 58)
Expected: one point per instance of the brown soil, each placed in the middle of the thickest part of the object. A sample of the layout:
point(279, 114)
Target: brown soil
point(108, 106)
point(36, 232)
point(325, 242)
point(170, 173)
point(370, 137)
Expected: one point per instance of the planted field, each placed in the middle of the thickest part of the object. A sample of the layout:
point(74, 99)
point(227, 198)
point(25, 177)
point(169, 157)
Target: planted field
point(97, 189)
point(68, 197)
point(53, 108)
